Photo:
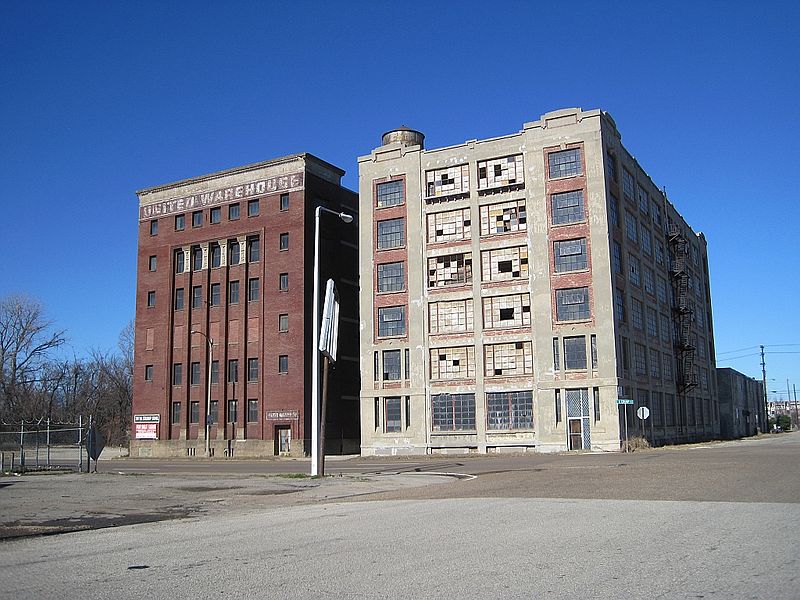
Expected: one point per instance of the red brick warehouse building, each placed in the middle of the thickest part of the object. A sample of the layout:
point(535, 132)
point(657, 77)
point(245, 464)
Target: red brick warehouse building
point(224, 294)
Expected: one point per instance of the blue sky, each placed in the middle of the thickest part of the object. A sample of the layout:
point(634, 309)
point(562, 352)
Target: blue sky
point(103, 98)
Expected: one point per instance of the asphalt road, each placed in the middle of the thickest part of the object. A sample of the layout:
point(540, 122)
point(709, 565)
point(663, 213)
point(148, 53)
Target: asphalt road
point(715, 521)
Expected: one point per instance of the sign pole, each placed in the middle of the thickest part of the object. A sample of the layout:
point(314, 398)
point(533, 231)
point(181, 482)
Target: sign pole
point(322, 415)
point(627, 446)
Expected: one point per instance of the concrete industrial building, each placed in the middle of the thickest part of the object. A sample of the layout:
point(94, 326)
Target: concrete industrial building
point(742, 409)
point(512, 289)
point(223, 305)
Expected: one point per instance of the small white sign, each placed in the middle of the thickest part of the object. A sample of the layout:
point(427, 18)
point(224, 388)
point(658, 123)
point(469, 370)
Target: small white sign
point(146, 431)
point(146, 418)
point(642, 412)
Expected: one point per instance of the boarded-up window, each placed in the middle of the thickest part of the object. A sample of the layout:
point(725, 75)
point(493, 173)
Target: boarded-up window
point(503, 360)
point(505, 217)
point(500, 312)
point(450, 226)
point(504, 264)
point(454, 316)
point(499, 172)
point(453, 363)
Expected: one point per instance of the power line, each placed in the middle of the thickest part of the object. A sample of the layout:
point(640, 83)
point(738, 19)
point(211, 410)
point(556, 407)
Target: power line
point(752, 347)
point(727, 358)
point(735, 351)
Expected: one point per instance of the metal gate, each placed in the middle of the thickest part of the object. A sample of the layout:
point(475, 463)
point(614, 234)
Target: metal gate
point(42, 444)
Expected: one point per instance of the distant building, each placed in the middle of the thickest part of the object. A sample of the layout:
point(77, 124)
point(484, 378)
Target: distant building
point(742, 411)
point(513, 288)
point(229, 257)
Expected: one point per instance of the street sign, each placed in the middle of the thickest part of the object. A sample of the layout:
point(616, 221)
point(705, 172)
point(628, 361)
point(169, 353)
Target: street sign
point(643, 412)
point(329, 331)
point(624, 401)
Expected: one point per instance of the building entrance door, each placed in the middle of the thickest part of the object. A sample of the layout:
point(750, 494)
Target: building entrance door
point(578, 419)
point(283, 439)
point(575, 434)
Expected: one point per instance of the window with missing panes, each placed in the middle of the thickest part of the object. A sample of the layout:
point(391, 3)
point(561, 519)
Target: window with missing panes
point(572, 304)
point(391, 321)
point(450, 269)
point(644, 199)
point(500, 172)
point(633, 270)
point(509, 410)
point(453, 412)
point(391, 365)
point(390, 193)
point(565, 163)
point(503, 264)
point(452, 316)
point(647, 276)
point(450, 226)
point(391, 277)
point(452, 363)
point(575, 353)
point(570, 255)
point(501, 312)
point(511, 359)
point(391, 234)
point(567, 207)
point(505, 217)
point(392, 411)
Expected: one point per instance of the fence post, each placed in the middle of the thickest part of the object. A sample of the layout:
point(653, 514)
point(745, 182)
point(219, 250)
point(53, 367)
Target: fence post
point(80, 443)
point(38, 431)
point(2, 462)
point(48, 442)
point(22, 444)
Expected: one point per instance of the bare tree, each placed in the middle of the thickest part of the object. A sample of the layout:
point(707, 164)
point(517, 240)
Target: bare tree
point(27, 338)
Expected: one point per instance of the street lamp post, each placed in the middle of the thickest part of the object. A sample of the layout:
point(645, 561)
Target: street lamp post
point(315, 405)
point(210, 343)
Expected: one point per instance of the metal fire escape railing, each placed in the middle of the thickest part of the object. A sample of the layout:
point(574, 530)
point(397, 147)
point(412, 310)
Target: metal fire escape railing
point(682, 313)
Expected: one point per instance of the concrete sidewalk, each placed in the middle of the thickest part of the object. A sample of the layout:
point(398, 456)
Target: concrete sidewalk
point(48, 503)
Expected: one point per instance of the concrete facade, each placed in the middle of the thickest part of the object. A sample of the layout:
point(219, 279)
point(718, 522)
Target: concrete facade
point(229, 256)
point(742, 411)
point(513, 288)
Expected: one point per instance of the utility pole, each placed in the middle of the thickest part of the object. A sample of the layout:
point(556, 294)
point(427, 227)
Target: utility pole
point(794, 387)
point(764, 381)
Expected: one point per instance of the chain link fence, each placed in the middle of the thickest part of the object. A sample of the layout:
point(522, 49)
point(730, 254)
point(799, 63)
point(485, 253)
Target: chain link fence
point(40, 445)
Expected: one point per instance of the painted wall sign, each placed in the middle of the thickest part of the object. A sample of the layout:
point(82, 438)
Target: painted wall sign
point(280, 415)
point(281, 183)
